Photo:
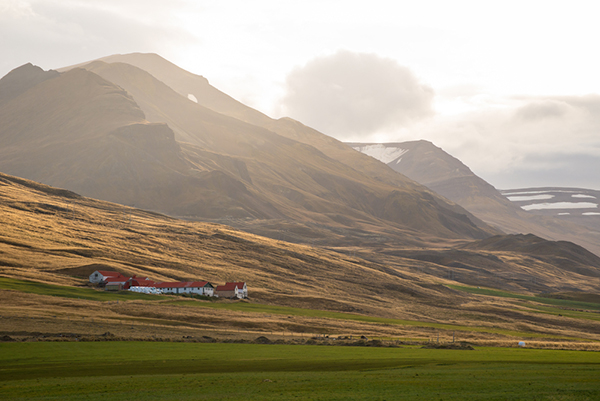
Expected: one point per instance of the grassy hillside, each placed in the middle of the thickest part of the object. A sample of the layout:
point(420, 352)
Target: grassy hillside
point(52, 239)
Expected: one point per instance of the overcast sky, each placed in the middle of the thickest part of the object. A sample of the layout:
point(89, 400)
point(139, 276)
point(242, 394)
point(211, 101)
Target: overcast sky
point(511, 88)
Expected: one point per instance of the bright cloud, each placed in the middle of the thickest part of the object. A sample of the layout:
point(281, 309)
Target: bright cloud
point(348, 94)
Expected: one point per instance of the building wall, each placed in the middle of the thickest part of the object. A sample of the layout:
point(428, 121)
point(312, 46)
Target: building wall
point(226, 294)
point(113, 287)
point(96, 277)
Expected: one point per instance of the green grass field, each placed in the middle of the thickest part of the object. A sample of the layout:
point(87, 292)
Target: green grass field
point(71, 292)
point(564, 303)
point(103, 296)
point(193, 371)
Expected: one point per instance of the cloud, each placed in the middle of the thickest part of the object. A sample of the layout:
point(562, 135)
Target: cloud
point(54, 34)
point(524, 141)
point(349, 95)
point(540, 110)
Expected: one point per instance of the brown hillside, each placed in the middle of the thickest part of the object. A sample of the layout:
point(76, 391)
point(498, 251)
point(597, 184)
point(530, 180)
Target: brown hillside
point(48, 235)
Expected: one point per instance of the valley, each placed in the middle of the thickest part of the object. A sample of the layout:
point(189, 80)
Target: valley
point(52, 239)
point(131, 164)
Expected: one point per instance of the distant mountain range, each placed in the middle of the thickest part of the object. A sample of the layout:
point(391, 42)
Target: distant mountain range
point(541, 211)
point(140, 131)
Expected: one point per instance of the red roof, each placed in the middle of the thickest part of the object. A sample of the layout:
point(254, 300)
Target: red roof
point(106, 273)
point(121, 279)
point(182, 284)
point(231, 286)
point(140, 282)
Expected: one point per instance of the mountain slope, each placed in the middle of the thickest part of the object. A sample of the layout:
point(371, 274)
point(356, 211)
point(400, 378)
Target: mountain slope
point(441, 172)
point(22, 79)
point(300, 180)
point(186, 84)
point(81, 132)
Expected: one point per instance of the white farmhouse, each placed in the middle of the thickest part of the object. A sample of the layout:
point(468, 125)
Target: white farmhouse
point(101, 275)
point(186, 287)
point(232, 290)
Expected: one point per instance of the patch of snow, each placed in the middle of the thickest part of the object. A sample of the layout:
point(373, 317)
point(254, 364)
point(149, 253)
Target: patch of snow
point(590, 214)
point(192, 98)
point(536, 192)
point(382, 153)
point(560, 205)
point(583, 196)
point(564, 214)
point(529, 198)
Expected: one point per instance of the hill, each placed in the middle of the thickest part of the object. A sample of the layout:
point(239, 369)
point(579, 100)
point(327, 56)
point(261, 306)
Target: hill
point(52, 239)
point(431, 166)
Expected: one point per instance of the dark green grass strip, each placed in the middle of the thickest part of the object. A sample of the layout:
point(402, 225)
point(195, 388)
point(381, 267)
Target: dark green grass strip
point(550, 310)
point(70, 292)
point(169, 371)
point(566, 303)
point(71, 359)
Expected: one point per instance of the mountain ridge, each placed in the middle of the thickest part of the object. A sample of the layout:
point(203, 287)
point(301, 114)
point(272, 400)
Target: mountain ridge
point(187, 118)
point(431, 166)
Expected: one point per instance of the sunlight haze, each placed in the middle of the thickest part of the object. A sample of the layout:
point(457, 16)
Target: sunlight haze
point(483, 61)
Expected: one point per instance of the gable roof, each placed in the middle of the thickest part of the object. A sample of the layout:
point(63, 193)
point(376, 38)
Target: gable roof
point(231, 286)
point(107, 273)
point(110, 280)
point(140, 282)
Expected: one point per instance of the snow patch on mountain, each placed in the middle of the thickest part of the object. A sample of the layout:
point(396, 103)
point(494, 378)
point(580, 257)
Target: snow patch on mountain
point(385, 154)
point(507, 193)
point(583, 196)
point(560, 205)
point(192, 98)
point(529, 197)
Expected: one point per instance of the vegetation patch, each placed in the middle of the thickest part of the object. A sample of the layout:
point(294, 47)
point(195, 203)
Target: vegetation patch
point(565, 303)
point(70, 292)
point(183, 371)
point(285, 310)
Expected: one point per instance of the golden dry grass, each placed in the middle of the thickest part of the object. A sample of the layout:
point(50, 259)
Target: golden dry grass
point(52, 236)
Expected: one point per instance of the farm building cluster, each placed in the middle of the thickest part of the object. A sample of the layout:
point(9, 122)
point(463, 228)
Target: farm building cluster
point(115, 281)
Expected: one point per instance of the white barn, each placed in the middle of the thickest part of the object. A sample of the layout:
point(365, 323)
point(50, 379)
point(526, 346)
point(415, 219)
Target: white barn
point(186, 287)
point(101, 275)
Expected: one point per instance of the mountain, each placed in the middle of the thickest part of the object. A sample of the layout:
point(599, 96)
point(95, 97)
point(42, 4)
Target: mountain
point(189, 85)
point(577, 204)
point(81, 132)
point(115, 132)
point(431, 166)
point(21, 79)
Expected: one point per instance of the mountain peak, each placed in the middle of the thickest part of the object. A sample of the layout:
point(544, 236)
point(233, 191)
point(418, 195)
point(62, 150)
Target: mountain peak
point(21, 79)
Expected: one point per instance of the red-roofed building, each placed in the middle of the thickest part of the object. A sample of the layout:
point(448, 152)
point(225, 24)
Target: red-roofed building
point(186, 287)
point(114, 283)
point(138, 282)
point(101, 275)
point(232, 290)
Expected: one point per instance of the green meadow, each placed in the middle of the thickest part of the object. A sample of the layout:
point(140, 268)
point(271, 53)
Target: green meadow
point(565, 303)
point(195, 371)
point(554, 306)
point(71, 292)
